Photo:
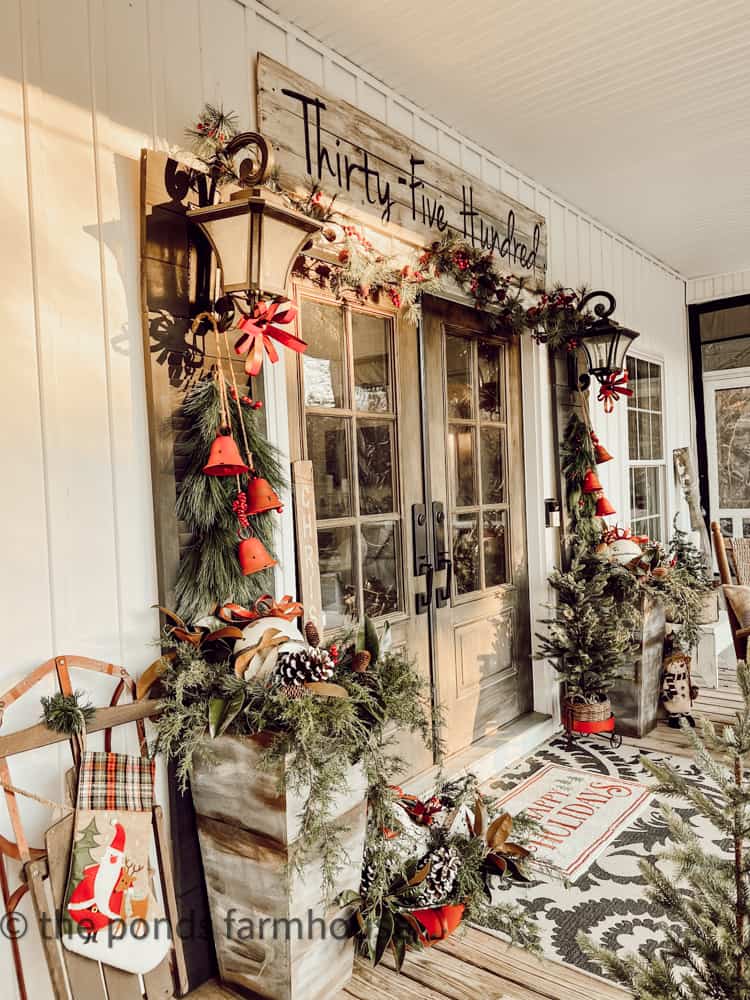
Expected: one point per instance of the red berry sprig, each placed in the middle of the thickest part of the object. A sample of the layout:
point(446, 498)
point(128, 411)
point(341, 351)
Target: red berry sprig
point(239, 506)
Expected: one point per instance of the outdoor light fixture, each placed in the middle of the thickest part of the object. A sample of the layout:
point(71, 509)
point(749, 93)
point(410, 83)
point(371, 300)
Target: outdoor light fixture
point(605, 342)
point(255, 235)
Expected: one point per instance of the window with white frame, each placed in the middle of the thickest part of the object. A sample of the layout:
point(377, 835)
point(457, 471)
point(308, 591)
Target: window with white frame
point(646, 448)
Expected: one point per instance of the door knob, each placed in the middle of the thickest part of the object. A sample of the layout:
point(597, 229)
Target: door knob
point(442, 555)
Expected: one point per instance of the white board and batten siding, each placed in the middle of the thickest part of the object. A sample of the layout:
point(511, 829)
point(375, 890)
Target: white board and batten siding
point(718, 286)
point(83, 87)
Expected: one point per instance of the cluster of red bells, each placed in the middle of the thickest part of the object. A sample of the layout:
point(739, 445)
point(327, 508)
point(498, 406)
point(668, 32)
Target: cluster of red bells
point(225, 459)
point(591, 482)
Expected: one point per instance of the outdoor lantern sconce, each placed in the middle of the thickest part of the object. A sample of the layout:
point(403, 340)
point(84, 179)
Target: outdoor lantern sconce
point(255, 236)
point(605, 342)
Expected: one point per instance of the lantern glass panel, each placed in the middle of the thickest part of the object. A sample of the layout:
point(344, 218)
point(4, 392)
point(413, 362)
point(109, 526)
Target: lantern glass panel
point(229, 235)
point(281, 242)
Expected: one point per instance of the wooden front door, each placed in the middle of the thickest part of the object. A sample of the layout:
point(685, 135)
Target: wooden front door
point(477, 508)
point(355, 414)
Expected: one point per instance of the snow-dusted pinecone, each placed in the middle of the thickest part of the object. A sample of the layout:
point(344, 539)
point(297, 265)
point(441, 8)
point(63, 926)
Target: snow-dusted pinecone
point(445, 863)
point(368, 877)
point(299, 666)
point(361, 661)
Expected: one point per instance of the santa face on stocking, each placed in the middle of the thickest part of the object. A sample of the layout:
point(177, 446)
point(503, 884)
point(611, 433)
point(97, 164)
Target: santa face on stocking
point(110, 913)
point(106, 887)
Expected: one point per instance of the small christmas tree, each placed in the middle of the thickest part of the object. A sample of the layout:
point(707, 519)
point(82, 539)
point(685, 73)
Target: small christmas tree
point(688, 557)
point(707, 903)
point(209, 570)
point(591, 637)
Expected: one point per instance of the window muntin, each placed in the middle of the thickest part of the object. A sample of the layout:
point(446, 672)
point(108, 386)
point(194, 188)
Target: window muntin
point(351, 437)
point(476, 461)
point(647, 468)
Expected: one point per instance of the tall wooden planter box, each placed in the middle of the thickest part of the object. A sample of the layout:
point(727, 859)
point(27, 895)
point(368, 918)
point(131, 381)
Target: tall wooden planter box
point(635, 697)
point(274, 938)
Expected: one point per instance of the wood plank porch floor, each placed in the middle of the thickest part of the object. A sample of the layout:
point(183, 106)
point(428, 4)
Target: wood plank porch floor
point(477, 965)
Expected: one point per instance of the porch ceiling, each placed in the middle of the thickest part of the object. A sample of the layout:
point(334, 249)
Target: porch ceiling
point(638, 113)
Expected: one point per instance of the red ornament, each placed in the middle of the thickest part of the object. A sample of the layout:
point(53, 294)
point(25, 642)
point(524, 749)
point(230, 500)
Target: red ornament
point(603, 507)
point(439, 922)
point(591, 482)
point(601, 455)
point(253, 556)
point(239, 506)
point(262, 497)
point(224, 459)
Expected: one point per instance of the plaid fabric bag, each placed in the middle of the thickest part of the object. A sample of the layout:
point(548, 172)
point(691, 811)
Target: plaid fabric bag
point(110, 913)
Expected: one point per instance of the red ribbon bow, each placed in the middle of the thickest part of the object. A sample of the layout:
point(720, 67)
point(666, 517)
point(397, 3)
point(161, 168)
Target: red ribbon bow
point(614, 386)
point(258, 334)
point(264, 607)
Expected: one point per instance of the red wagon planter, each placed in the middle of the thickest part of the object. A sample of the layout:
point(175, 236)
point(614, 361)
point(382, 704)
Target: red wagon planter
point(590, 720)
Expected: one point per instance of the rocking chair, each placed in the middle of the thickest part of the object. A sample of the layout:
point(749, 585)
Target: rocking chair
point(733, 560)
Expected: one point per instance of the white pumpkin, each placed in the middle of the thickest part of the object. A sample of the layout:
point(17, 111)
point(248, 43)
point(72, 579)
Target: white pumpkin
point(623, 550)
point(263, 633)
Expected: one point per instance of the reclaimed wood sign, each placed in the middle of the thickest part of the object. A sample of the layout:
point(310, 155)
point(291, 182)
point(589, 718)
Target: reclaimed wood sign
point(384, 179)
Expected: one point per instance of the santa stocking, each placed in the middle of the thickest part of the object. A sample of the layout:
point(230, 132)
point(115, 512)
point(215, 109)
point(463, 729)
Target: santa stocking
point(110, 913)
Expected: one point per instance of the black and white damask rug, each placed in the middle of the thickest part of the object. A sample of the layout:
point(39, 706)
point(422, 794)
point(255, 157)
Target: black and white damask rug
point(607, 901)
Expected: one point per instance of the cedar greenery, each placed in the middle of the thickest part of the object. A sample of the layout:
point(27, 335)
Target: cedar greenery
point(707, 954)
point(319, 737)
point(209, 571)
point(67, 713)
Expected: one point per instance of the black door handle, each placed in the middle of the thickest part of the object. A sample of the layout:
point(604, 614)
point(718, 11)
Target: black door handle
point(443, 594)
point(442, 554)
point(425, 600)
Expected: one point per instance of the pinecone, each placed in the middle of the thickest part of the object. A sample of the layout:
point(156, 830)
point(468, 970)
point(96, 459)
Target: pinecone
point(312, 634)
point(445, 863)
point(361, 661)
point(300, 666)
point(294, 691)
point(368, 877)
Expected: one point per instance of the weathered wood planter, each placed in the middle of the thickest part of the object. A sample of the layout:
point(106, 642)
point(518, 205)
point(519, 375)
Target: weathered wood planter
point(274, 939)
point(635, 696)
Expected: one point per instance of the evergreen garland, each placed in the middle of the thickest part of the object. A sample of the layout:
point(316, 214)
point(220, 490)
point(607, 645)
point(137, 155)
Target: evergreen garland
point(209, 571)
point(707, 951)
point(577, 457)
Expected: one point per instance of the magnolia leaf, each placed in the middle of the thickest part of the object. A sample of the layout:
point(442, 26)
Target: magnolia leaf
point(420, 875)
point(386, 639)
point(360, 921)
point(372, 930)
point(326, 689)
point(385, 933)
point(367, 639)
point(171, 616)
point(151, 675)
point(347, 897)
point(228, 632)
point(412, 921)
point(499, 829)
point(216, 708)
point(233, 709)
point(515, 850)
point(398, 944)
point(500, 863)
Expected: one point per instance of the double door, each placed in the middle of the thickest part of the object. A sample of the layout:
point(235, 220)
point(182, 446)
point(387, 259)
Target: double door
point(727, 407)
point(415, 436)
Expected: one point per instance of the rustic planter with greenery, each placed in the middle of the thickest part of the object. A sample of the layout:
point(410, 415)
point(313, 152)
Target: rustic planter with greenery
point(275, 935)
point(635, 694)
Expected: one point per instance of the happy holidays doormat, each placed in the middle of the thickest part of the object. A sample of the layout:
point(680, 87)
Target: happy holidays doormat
point(578, 812)
point(606, 901)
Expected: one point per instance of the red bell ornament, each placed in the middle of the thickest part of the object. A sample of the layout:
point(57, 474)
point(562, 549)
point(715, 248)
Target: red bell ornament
point(603, 507)
point(591, 482)
point(262, 497)
point(224, 459)
point(601, 455)
point(439, 922)
point(253, 556)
